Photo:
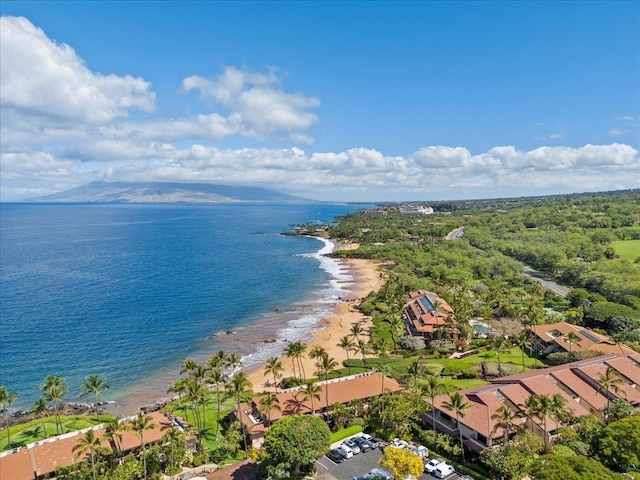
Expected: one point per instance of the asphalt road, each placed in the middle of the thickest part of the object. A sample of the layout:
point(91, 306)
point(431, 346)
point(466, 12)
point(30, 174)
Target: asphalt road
point(455, 234)
point(548, 284)
point(360, 464)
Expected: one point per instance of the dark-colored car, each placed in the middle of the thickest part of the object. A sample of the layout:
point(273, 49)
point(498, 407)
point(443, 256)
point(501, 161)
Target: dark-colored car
point(363, 443)
point(335, 456)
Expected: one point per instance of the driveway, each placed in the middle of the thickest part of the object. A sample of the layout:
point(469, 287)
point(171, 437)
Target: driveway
point(358, 465)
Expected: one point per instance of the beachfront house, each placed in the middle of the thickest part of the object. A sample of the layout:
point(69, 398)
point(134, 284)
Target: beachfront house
point(576, 382)
point(429, 317)
point(292, 401)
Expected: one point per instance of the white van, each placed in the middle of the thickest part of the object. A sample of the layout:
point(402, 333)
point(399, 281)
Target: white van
point(345, 451)
point(444, 470)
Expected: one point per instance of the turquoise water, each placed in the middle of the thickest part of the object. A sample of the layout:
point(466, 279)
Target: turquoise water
point(129, 291)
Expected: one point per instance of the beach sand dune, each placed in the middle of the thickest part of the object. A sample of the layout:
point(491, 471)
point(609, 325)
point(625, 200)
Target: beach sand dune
point(366, 278)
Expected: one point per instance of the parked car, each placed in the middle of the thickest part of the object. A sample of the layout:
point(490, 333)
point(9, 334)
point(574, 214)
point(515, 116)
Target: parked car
point(345, 451)
point(466, 477)
point(364, 444)
point(375, 474)
point(351, 443)
point(431, 465)
point(444, 470)
point(335, 456)
point(399, 443)
point(374, 443)
point(421, 451)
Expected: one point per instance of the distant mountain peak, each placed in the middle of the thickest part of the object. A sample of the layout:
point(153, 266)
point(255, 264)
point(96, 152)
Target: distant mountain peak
point(165, 192)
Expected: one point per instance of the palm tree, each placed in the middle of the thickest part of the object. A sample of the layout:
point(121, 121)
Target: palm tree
point(356, 331)
point(316, 353)
point(543, 406)
point(522, 341)
point(39, 409)
point(290, 352)
point(299, 349)
point(311, 392)
point(240, 389)
point(572, 338)
point(139, 424)
point(94, 384)
point(217, 378)
point(395, 324)
point(362, 348)
point(54, 389)
point(114, 429)
point(608, 382)
point(172, 437)
point(327, 365)
point(6, 399)
point(346, 343)
point(233, 362)
point(415, 371)
point(432, 388)
point(457, 405)
point(218, 360)
point(499, 344)
point(88, 443)
point(188, 366)
point(506, 420)
point(196, 395)
point(270, 402)
point(273, 367)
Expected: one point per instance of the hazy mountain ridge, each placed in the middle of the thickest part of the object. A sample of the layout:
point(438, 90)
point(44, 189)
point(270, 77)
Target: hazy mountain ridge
point(165, 192)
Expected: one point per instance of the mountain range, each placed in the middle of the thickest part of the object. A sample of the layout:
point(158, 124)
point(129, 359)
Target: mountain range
point(165, 192)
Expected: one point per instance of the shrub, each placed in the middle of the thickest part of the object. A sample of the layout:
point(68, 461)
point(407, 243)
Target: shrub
point(413, 344)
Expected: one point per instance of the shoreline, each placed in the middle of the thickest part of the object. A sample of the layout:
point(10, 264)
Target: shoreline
point(365, 279)
point(327, 331)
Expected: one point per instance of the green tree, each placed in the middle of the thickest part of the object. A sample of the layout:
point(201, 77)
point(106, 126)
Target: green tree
point(268, 403)
point(174, 444)
point(139, 424)
point(505, 419)
point(88, 443)
point(402, 463)
point(54, 389)
point(572, 339)
point(240, 388)
point(576, 467)
point(619, 444)
point(297, 441)
point(94, 385)
point(273, 366)
point(311, 392)
point(619, 409)
point(218, 379)
point(39, 409)
point(457, 405)
point(114, 428)
point(523, 341)
point(500, 345)
point(326, 365)
point(6, 399)
point(346, 343)
point(608, 382)
point(432, 388)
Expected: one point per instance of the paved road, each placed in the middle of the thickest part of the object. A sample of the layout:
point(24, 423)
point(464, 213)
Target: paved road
point(548, 284)
point(359, 465)
point(455, 234)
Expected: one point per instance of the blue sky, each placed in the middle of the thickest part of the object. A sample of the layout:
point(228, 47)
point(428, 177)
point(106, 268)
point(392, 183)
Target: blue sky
point(329, 100)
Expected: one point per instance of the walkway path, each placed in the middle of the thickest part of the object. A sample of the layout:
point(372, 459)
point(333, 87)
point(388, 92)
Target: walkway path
point(455, 234)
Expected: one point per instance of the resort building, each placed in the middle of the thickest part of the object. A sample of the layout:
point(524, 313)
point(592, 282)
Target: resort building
point(577, 382)
point(555, 337)
point(428, 316)
point(292, 401)
point(41, 459)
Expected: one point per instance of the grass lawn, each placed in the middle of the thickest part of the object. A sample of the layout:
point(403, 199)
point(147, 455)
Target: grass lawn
point(629, 249)
point(32, 431)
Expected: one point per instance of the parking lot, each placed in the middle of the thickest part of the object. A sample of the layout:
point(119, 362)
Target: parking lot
point(360, 464)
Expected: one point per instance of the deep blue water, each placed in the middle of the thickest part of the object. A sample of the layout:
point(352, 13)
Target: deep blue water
point(129, 291)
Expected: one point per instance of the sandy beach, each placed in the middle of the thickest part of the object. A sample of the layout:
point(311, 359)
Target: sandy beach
point(366, 278)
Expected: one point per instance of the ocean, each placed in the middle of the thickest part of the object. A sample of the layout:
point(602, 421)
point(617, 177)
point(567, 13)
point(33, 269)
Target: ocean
point(129, 291)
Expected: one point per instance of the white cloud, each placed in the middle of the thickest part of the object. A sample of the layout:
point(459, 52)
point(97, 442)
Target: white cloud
point(44, 79)
point(614, 132)
point(625, 118)
point(355, 174)
point(259, 107)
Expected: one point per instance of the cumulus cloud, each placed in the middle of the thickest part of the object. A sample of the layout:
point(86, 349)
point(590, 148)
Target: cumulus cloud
point(259, 106)
point(42, 78)
point(436, 172)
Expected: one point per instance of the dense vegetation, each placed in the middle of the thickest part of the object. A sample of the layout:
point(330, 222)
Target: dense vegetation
point(585, 242)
